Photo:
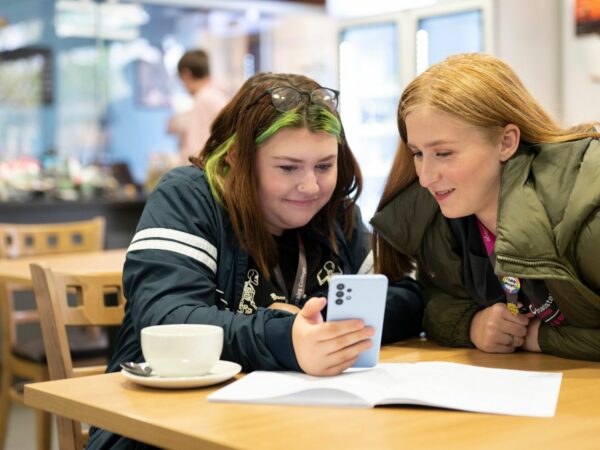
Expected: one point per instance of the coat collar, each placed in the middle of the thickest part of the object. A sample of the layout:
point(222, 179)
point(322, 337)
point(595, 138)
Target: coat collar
point(547, 192)
point(407, 218)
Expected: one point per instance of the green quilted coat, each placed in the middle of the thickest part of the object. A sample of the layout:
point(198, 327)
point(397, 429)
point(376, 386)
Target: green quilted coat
point(548, 228)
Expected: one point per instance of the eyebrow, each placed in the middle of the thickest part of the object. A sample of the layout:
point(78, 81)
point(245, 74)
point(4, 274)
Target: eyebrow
point(433, 143)
point(296, 160)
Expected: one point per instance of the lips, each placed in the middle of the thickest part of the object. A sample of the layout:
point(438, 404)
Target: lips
point(302, 203)
point(442, 195)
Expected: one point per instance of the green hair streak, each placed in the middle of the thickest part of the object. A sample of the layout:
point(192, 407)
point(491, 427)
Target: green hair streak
point(215, 171)
point(318, 119)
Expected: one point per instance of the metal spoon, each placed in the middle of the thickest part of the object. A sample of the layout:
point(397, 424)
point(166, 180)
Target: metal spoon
point(137, 369)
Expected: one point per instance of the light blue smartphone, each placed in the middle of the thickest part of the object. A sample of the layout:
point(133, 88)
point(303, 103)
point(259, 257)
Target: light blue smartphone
point(359, 297)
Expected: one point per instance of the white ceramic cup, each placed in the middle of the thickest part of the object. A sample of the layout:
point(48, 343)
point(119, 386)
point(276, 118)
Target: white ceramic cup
point(183, 350)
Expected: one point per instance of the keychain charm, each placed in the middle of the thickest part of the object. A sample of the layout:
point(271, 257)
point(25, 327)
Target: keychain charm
point(511, 286)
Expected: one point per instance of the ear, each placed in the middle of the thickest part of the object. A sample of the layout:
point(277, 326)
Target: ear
point(509, 141)
point(185, 74)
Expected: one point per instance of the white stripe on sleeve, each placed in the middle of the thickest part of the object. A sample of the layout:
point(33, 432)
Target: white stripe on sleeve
point(158, 244)
point(175, 235)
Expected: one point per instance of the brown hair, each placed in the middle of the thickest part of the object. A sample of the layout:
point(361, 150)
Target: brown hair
point(196, 61)
point(230, 153)
point(482, 91)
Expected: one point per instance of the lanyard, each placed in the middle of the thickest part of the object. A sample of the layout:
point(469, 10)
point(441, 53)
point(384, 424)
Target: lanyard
point(300, 280)
point(511, 285)
point(547, 311)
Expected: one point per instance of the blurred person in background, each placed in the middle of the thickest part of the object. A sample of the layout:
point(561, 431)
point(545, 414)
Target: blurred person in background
point(193, 127)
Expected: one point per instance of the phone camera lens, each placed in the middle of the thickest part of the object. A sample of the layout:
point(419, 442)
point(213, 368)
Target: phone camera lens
point(339, 301)
point(340, 286)
point(339, 294)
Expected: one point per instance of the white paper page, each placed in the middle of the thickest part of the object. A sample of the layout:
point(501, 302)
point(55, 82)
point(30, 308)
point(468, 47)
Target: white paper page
point(438, 384)
point(471, 388)
point(355, 388)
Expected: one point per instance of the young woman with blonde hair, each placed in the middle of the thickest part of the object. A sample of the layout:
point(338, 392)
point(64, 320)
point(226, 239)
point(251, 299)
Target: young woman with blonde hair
point(498, 209)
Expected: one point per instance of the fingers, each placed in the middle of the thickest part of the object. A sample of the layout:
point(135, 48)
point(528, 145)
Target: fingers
point(313, 306)
point(339, 368)
point(519, 319)
point(346, 340)
point(329, 330)
point(511, 343)
point(514, 329)
point(327, 348)
point(333, 330)
point(499, 310)
point(496, 330)
point(518, 341)
point(505, 344)
point(331, 371)
point(311, 310)
point(344, 358)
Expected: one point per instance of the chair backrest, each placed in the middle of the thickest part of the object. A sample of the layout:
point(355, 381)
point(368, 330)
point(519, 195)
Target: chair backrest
point(18, 240)
point(73, 300)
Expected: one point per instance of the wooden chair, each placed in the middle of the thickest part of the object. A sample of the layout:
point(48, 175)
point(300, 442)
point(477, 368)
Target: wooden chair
point(67, 300)
point(25, 359)
point(18, 240)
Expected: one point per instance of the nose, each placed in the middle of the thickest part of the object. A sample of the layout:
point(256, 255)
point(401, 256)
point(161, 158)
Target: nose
point(427, 172)
point(309, 184)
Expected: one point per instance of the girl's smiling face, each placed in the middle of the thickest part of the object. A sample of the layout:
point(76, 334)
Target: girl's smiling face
point(460, 164)
point(297, 174)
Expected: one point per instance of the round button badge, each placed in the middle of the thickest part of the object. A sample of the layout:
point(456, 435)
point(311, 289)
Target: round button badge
point(512, 285)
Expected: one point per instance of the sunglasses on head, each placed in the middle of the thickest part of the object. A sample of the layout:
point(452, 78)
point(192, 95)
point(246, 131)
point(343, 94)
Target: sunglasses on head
point(287, 98)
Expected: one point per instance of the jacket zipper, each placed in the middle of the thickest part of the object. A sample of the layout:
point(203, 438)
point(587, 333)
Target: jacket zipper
point(537, 263)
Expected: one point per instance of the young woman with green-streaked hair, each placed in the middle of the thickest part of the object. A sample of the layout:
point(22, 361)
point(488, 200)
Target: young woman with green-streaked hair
point(247, 237)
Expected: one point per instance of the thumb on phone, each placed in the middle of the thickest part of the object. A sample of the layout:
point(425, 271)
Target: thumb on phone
point(311, 311)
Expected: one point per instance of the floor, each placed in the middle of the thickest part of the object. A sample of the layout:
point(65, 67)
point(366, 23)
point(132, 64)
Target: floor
point(21, 430)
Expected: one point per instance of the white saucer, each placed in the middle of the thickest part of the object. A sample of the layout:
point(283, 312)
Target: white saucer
point(222, 371)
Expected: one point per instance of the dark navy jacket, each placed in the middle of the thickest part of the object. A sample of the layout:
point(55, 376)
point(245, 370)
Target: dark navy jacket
point(184, 265)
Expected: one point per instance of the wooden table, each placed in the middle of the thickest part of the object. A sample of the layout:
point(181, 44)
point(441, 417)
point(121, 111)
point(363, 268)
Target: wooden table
point(104, 261)
point(184, 419)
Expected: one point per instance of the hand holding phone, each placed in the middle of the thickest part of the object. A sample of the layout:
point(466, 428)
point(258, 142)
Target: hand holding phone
point(326, 349)
point(359, 297)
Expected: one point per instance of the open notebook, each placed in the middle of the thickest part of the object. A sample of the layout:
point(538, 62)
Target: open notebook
point(437, 384)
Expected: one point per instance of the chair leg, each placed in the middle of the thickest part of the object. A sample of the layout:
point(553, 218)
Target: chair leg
point(5, 384)
point(43, 429)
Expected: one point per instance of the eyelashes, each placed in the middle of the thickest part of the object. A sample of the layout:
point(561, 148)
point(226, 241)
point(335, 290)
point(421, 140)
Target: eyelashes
point(292, 168)
point(419, 155)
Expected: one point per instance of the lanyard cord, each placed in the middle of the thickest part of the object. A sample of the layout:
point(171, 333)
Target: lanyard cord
point(510, 285)
point(300, 280)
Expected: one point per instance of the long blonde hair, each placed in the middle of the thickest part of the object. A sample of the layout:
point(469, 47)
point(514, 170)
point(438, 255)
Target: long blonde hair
point(482, 91)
